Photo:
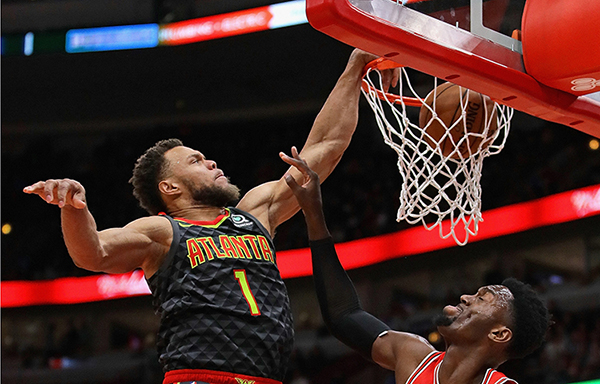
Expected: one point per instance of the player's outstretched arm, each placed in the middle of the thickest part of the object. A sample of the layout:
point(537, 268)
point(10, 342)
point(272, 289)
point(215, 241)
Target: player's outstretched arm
point(338, 300)
point(140, 244)
point(273, 203)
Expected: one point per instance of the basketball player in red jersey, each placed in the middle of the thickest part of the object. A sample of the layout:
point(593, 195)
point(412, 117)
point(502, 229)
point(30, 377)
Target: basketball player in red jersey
point(497, 323)
point(225, 315)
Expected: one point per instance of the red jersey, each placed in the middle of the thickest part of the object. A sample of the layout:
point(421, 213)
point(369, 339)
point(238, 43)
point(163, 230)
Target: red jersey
point(427, 372)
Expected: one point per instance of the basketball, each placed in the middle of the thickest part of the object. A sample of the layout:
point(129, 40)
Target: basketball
point(449, 109)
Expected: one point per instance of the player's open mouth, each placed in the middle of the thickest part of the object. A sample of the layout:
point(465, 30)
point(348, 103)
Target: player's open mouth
point(453, 311)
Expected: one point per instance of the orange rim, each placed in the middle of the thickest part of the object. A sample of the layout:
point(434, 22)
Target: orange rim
point(382, 64)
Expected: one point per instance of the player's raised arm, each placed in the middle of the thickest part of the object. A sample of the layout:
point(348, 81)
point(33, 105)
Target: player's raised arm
point(273, 203)
point(338, 300)
point(140, 244)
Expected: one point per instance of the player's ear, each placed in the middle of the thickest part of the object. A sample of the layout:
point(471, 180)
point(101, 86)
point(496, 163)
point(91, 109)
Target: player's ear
point(500, 334)
point(169, 187)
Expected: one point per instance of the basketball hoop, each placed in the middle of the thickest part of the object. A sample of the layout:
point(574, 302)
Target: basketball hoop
point(440, 159)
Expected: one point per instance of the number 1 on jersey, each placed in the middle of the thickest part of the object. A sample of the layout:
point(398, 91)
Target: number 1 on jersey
point(240, 276)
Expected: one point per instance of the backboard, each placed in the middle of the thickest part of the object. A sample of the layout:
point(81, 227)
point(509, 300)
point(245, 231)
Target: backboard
point(536, 58)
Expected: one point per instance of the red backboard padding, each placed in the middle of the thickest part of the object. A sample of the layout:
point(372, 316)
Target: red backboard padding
point(439, 49)
point(560, 44)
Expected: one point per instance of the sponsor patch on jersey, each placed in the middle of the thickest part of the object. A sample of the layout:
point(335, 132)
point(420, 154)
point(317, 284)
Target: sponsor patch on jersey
point(241, 221)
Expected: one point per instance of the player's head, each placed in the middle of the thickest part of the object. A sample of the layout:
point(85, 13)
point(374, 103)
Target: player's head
point(529, 319)
point(148, 171)
point(169, 170)
point(510, 319)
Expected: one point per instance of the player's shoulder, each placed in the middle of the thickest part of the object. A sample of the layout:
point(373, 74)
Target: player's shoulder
point(153, 226)
point(401, 351)
point(412, 341)
point(160, 220)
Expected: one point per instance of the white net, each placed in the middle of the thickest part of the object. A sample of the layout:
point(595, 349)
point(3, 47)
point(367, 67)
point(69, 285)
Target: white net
point(440, 159)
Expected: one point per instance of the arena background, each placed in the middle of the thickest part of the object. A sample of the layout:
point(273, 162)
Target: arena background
point(241, 100)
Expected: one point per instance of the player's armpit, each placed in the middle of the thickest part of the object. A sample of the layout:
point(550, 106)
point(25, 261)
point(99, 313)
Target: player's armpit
point(271, 203)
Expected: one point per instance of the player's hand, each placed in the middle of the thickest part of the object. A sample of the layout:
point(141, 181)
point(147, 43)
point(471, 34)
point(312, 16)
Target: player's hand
point(61, 192)
point(309, 193)
point(389, 77)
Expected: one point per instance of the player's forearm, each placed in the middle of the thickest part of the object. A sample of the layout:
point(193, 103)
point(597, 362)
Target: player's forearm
point(315, 223)
point(338, 118)
point(81, 238)
point(339, 302)
point(335, 290)
point(336, 122)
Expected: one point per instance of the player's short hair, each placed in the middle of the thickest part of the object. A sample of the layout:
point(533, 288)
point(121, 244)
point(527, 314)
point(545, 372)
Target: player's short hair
point(530, 319)
point(147, 173)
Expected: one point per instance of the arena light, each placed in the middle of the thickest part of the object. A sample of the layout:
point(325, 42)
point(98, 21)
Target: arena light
point(136, 36)
point(555, 209)
point(185, 32)
point(28, 44)
point(234, 23)
point(112, 38)
point(73, 290)
point(6, 228)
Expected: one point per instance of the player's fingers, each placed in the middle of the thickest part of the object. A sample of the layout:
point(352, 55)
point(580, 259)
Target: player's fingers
point(300, 164)
point(291, 182)
point(295, 161)
point(309, 174)
point(63, 187)
point(287, 159)
point(71, 192)
point(79, 199)
point(301, 159)
point(34, 188)
point(48, 193)
point(296, 156)
point(388, 79)
point(385, 81)
point(395, 77)
point(303, 164)
point(295, 153)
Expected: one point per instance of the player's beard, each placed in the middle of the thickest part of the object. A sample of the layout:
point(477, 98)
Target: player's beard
point(443, 320)
point(215, 195)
